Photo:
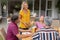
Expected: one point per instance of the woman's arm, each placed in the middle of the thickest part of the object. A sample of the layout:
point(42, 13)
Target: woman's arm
point(38, 29)
point(46, 26)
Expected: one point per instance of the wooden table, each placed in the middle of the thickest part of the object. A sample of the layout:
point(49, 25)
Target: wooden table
point(28, 38)
point(44, 34)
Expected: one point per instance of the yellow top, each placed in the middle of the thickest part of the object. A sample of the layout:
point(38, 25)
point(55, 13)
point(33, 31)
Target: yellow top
point(25, 18)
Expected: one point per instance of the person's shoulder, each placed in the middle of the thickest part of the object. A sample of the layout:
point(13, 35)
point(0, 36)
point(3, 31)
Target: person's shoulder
point(20, 12)
point(11, 24)
point(37, 22)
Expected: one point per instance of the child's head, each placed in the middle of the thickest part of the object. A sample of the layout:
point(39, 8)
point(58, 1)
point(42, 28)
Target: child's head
point(33, 17)
point(41, 19)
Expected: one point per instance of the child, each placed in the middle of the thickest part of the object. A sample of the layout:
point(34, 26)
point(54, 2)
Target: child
point(33, 17)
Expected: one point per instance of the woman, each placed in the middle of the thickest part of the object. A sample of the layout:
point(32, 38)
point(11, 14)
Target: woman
point(12, 32)
point(41, 23)
point(24, 15)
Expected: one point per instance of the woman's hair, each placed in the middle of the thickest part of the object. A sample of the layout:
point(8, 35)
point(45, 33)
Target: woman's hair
point(41, 17)
point(14, 18)
point(23, 4)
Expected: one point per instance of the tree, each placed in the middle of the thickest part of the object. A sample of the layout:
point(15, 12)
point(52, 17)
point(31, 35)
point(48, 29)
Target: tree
point(3, 2)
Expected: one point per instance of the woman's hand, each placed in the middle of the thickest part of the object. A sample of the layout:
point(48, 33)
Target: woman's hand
point(27, 24)
point(47, 27)
point(37, 29)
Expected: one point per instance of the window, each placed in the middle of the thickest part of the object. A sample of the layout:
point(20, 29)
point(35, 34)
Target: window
point(36, 7)
point(43, 7)
point(49, 13)
point(30, 4)
point(40, 7)
point(49, 8)
point(49, 4)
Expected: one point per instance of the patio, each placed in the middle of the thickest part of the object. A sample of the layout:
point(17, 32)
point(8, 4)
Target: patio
point(3, 24)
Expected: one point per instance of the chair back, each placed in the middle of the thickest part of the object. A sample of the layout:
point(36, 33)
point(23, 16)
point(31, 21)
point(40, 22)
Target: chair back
point(55, 23)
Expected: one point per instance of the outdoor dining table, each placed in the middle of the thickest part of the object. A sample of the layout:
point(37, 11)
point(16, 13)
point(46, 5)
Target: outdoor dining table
point(43, 34)
point(27, 38)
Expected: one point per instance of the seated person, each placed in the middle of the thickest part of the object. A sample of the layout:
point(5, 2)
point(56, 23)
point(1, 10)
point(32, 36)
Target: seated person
point(12, 31)
point(40, 24)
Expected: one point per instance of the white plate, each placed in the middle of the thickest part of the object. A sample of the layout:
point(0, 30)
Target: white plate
point(26, 33)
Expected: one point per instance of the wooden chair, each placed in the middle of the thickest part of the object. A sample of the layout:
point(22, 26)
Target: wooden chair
point(0, 19)
point(55, 23)
point(3, 34)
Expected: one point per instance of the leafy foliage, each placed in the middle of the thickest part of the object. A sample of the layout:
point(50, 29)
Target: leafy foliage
point(3, 2)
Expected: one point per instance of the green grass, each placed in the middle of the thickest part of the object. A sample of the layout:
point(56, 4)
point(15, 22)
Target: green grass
point(1, 38)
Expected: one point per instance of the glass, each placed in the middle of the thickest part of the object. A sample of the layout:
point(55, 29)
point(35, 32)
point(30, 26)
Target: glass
point(59, 31)
point(34, 29)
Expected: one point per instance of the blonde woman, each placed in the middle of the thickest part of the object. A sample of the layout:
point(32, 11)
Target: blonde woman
point(41, 23)
point(24, 15)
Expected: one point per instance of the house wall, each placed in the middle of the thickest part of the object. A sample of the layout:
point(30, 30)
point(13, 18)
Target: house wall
point(55, 10)
point(0, 7)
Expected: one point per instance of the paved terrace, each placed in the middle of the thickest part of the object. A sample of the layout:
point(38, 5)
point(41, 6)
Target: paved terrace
point(3, 24)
